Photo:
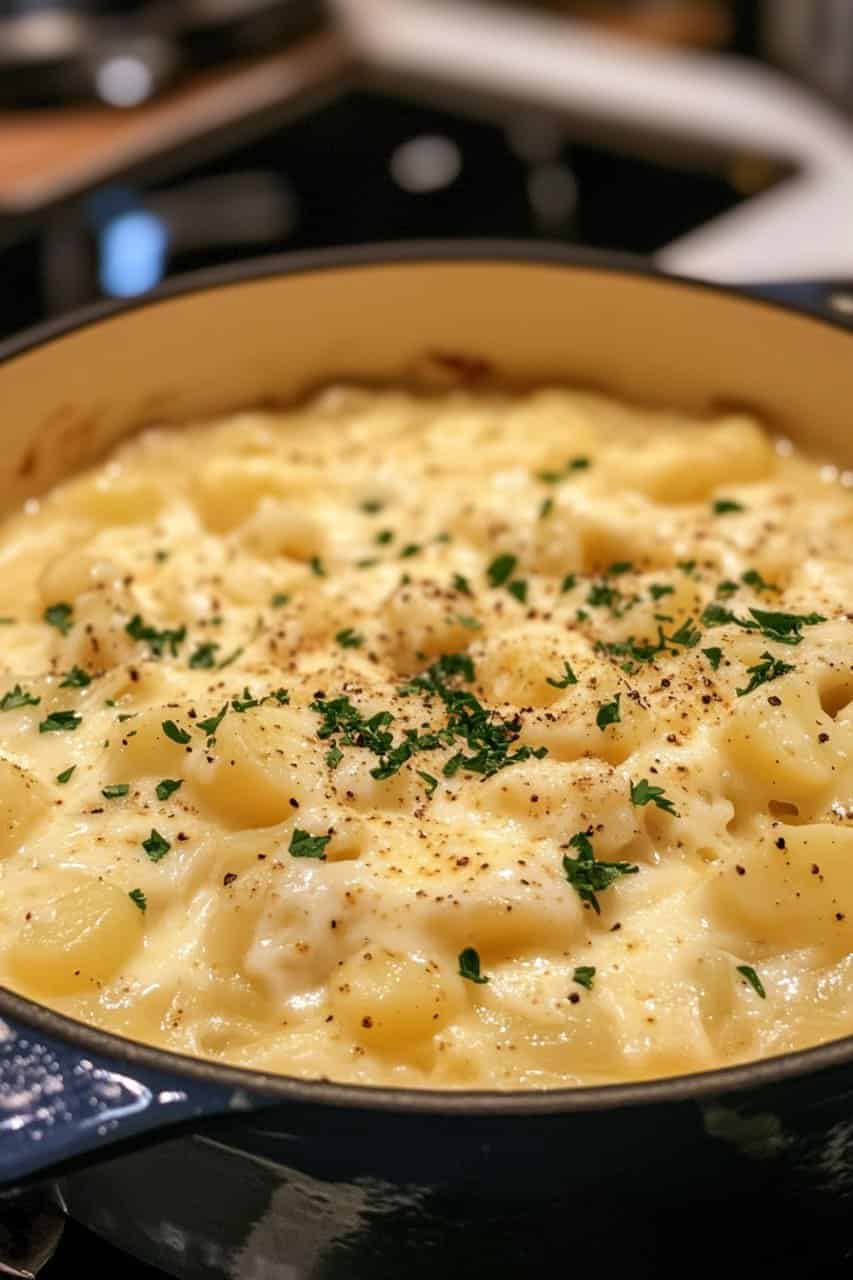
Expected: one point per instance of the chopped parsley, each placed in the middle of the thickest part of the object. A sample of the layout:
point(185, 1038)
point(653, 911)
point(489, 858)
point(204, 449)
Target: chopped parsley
point(232, 657)
point(156, 846)
point(619, 567)
point(686, 635)
point(687, 567)
point(769, 668)
point(608, 713)
point(584, 975)
point(158, 641)
point(465, 620)
point(410, 549)
point(724, 506)
point(75, 679)
point(726, 588)
point(429, 780)
point(212, 723)
point(384, 537)
point(172, 731)
point(372, 506)
point(349, 639)
point(714, 656)
point(59, 720)
point(643, 792)
point(116, 791)
point(204, 656)
point(747, 971)
point(161, 556)
point(546, 508)
point(568, 677)
point(334, 756)
point(279, 600)
point(518, 588)
point(569, 583)
point(138, 898)
point(554, 477)
point(501, 569)
point(60, 615)
point(167, 787)
point(303, 845)
point(17, 697)
point(632, 651)
point(753, 579)
point(469, 966)
point(659, 589)
point(462, 585)
point(66, 775)
point(587, 875)
point(315, 564)
point(783, 628)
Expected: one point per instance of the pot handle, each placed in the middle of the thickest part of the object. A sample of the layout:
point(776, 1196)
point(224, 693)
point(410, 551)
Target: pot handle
point(830, 299)
point(61, 1105)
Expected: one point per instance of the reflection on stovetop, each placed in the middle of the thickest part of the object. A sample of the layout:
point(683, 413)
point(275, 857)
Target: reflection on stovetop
point(366, 166)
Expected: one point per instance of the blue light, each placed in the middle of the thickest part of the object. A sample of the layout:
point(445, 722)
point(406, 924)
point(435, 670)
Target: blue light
point(133, 249)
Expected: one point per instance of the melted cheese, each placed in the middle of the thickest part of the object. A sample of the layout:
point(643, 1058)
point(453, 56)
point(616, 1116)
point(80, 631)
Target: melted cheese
point(225, 586)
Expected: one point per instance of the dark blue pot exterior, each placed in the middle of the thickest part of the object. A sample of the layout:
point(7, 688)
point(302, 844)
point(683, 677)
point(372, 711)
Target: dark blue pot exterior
point(760, 1179)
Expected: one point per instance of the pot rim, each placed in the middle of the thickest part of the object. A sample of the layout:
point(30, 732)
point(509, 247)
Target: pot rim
point(697, 1086)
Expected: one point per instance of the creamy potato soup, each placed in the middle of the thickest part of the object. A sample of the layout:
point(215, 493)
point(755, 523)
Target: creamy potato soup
point(458, 741)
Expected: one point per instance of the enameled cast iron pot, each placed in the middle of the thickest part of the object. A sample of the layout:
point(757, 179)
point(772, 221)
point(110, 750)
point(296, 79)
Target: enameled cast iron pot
point(210, 1171)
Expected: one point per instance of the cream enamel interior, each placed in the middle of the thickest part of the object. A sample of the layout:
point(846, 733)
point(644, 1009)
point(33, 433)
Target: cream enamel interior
point(210, 967)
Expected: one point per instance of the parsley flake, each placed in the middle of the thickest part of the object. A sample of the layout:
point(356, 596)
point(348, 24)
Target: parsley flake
point(334, 756)
point(431, 782)
point(158, 641)
point(167, 787)
point(659, 589)
point(725, 506)
point(384, 536)
point(568, 677)
point(554, 477)
point(714, 656)
point(59, 720)
point(753, 579)
point(204, 656)
point(349, 639)
point(462, 585)
point(584, 975)
point(212, 723)
point(687, 567)
point(726, 588)
point(172, 731)
point(303, 845)
point(465, 620)
point(279, 600)
point(60, 615)
point(75, 679)
point(469, 966)
point(232, 657)
point(608, 713)
point(686, 635)
point(518, 588)
point(643, 792)
point(371, 506)
point(769, 668)
point(315, 564)
point(156, 846)
point(138, 898)
point(116, 791)
point(569, 583)
point(17, 697)
point(587, 875)
point(501, 569)
point(66, 775)
point(410, 549)
point(747, 971)
point(546, 508)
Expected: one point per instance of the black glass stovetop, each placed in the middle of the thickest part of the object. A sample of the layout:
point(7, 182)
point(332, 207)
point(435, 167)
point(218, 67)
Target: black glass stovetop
point(365, 165)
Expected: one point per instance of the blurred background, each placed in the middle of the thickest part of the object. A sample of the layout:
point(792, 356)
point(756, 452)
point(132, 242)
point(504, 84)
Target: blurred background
point(142, 138)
